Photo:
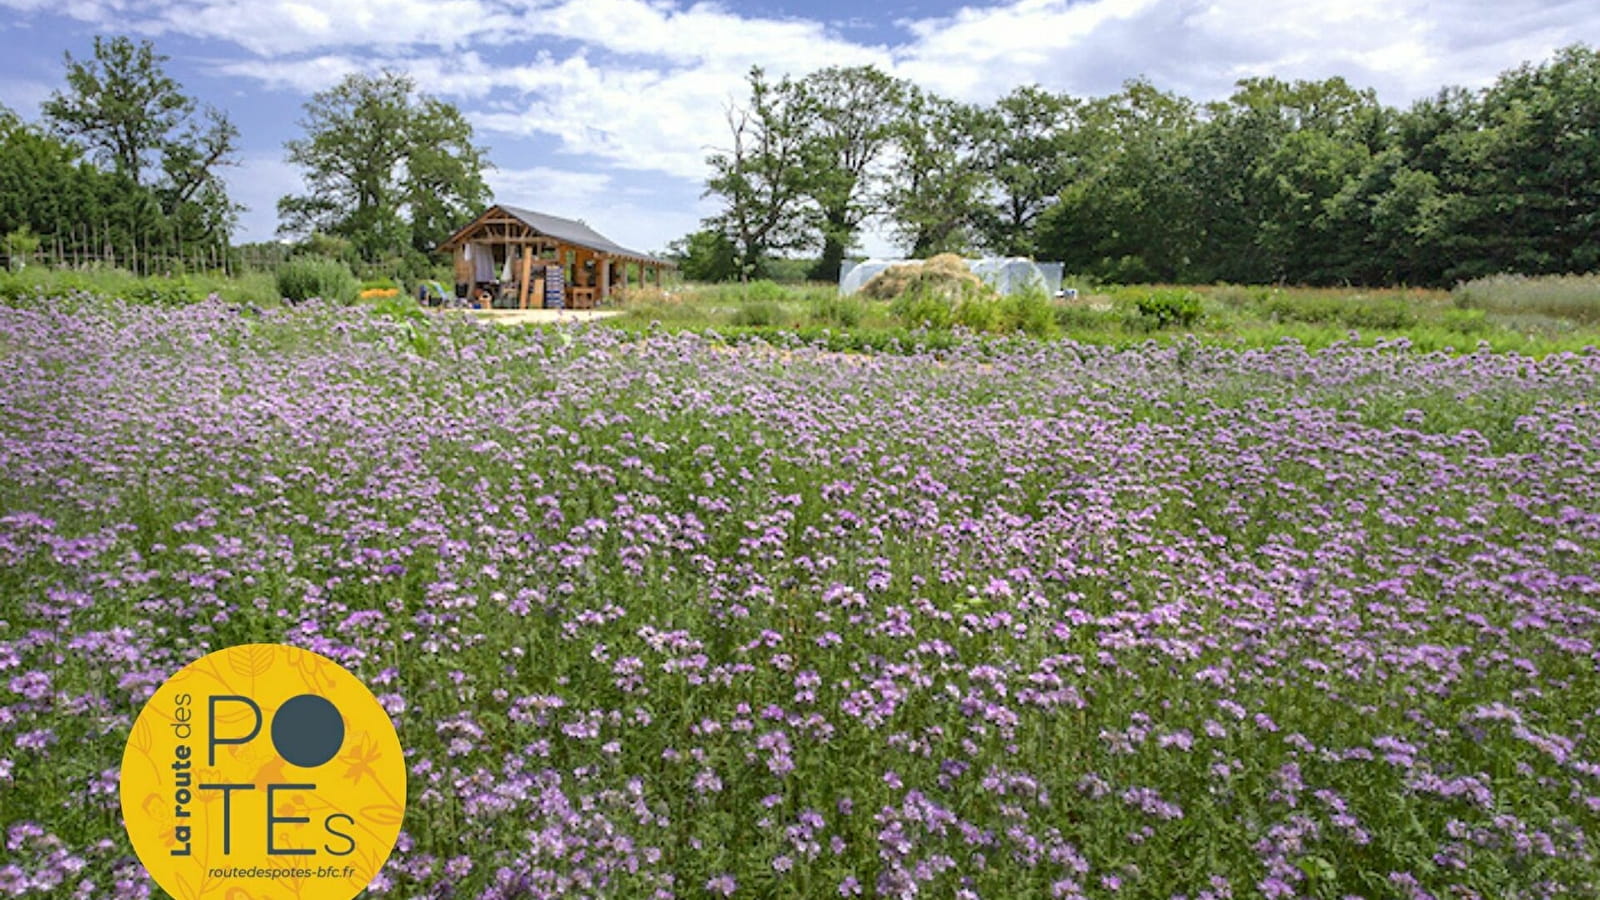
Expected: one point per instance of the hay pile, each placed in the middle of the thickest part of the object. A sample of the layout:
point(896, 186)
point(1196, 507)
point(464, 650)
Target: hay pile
point(944, 276)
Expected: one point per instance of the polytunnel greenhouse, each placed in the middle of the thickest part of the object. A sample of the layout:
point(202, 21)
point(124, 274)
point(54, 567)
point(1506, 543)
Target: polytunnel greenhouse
point(1006, 274)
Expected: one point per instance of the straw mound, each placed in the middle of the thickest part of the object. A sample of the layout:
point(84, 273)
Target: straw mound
point(944, 275)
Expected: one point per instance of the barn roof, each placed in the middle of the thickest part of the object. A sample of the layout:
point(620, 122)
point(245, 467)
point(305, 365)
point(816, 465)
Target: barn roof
point(567, 231)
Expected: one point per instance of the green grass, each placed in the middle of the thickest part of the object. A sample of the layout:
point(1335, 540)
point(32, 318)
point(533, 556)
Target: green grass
point(176, 290)
point(1126, 316)
point(1535, 317)
point(1516, 298)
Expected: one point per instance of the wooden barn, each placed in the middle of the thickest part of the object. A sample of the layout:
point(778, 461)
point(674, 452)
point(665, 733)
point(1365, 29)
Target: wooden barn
point(514, 258)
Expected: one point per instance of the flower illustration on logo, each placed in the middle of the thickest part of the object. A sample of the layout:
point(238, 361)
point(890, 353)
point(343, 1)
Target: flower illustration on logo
point(363, 753)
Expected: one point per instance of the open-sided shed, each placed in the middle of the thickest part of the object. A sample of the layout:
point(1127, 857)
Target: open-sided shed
point(521, 259)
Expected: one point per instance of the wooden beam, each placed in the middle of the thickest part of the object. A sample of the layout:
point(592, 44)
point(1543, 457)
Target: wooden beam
point(527, 271)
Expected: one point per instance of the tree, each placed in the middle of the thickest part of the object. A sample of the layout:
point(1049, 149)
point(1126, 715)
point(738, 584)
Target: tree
point(933, 197)
point(1026, 150)
point(386, 167)
point(121, 103)
point(705, 255)
point(763, 178)
point(122, 106)
point(20, 245)
point(48, 188)
point(854, 119)
point(1126, 213)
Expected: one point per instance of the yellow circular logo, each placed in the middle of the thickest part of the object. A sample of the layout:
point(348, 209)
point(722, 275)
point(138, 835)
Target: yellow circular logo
point(262, 772)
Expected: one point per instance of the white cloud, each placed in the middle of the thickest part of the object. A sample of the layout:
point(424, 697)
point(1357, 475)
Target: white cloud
point(642, 84)
point(24, 96)
point(558, 192)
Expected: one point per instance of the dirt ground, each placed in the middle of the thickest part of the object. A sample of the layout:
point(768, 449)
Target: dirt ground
point(542, 316)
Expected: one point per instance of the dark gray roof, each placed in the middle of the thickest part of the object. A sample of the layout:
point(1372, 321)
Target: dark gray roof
point(572, 232)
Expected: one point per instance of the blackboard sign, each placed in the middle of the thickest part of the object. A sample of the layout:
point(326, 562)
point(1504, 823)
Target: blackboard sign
point(555, 288)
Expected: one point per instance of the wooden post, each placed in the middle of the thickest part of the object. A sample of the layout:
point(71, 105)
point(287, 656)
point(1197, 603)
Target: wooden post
point(605, 278)
point(527, 271)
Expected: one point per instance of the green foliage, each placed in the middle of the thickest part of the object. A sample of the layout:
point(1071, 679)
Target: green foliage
point(846, 312)
point(387, 168)
point(1251, 316)
point(122, 105)
point(1360, 312)
point(20, 244)
point(1305, 182)
point(787, 270)
point(1166, 307)
point(762, 177)
point(855, 114)
point(762, 291)
point(257, 288)
point(1029, 312)
point(926, 306)
point(159, 291)
point(1029, 148)
point(305, 277)
point(328, 246)
point(760, 313)
point(706, 255)
point(933, 195)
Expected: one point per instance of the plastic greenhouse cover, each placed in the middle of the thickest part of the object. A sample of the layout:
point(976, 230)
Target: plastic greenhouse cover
point(1006, 274)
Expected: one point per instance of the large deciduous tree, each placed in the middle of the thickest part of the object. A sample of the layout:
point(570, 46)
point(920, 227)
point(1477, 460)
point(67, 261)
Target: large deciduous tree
point(1027, 151)
point(762, 177)
point(123, 107)
point(386, 167)
point(934, 193)
point(855, 119)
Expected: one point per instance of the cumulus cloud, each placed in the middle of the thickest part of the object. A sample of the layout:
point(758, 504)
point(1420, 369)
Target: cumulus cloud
point(643, 84)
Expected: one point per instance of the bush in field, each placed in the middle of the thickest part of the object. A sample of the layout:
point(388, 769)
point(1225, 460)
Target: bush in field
point(1572, 297)
point(305, 277)
point(1029, 312)
point(978, 314)
point(163, 292)
point(1158, 308)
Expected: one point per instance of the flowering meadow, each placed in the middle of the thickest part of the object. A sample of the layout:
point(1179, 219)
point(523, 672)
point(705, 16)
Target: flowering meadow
point(657, 616)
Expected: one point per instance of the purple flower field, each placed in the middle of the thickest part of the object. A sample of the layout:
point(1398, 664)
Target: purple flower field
point(661, 617)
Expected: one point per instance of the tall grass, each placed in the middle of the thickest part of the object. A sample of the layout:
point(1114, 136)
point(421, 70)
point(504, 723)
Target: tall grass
point(1574, 298)
point(120, 284)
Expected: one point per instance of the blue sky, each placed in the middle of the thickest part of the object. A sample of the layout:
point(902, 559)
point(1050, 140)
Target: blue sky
point(606, 109)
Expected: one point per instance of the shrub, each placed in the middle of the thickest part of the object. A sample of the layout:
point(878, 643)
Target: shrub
point(157, 291)
point(304, 277)
point(1166, 307)
point(1029, 312)
point(922, 309)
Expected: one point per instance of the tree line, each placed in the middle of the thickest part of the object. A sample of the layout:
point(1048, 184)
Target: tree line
point(1312, 182)
point(127, 169)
